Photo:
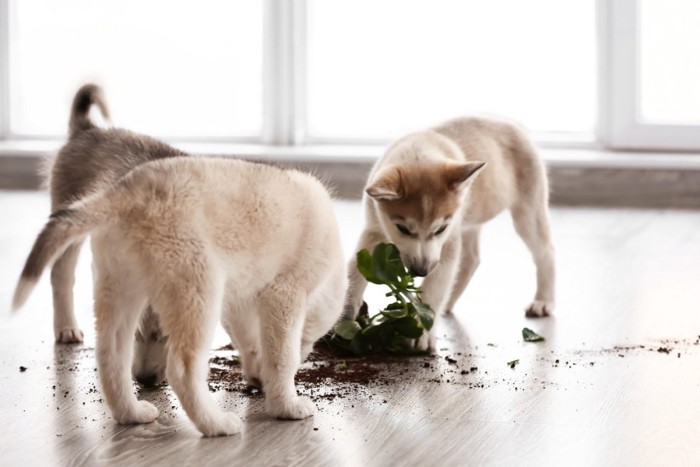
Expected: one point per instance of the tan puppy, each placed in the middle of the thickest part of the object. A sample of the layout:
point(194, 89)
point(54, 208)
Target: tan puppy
point(203, 239)
point(431, 193)
point(91, 160)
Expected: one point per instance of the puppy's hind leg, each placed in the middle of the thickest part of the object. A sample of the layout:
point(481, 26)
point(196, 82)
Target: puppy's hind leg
point(117, 309)
point(532, 224)
point(282, 314)
point(65, 327)
point(189, 310)
point(244, 330)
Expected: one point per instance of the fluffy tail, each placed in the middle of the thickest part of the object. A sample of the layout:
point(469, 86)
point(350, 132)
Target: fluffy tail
point(64, 227)
point(86, 96)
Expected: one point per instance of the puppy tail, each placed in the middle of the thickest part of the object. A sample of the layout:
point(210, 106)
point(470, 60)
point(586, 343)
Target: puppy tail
point(65, 226)
point(84, 99)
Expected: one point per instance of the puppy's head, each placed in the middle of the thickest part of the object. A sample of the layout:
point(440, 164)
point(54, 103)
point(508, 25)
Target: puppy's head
point(418, 204)
point(150, 351)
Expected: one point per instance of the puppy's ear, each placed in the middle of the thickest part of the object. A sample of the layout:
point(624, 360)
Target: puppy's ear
point(458, 176)
point(386, 185)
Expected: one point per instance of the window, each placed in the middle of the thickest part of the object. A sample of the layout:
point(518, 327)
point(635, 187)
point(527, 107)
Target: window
point(653, 70)
point(170, 68)
point(622, 73)
point(380, 69)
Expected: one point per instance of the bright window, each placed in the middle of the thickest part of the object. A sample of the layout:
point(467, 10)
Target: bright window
point(377, 69)
point(170, 68)
point(670, 61)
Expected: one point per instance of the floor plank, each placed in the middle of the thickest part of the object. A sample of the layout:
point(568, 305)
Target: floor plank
point(596, 392)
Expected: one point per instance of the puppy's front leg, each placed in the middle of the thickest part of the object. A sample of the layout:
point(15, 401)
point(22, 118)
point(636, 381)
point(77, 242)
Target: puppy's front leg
point(437, 287)
point(356, 281)
point(282, 313)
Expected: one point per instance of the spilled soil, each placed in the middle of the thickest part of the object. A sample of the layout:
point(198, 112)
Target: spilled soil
point(330, 373)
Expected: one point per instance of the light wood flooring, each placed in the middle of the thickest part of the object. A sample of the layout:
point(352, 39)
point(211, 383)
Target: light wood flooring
point(597, 392)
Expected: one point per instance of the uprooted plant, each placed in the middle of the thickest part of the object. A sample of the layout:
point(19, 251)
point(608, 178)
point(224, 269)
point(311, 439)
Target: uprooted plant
point(395, 328)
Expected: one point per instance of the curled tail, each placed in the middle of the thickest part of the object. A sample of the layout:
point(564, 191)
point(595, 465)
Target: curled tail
point(65, 226)
point(86, 96)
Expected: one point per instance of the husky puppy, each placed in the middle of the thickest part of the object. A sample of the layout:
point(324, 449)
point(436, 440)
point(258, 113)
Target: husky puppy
point(202, 240)
point(433, 190)
point(92, 159)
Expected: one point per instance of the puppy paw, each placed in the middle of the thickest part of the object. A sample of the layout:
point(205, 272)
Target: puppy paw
point(225, 424)
point(425, 343)
point(69, 335)
point(295, 408)
point(539, 308)
point(141, 412)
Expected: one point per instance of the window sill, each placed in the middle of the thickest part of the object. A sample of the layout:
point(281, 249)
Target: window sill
point(577, 176)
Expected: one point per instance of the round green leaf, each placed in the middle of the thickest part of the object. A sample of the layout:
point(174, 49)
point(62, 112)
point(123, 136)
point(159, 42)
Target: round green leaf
point(347, 329)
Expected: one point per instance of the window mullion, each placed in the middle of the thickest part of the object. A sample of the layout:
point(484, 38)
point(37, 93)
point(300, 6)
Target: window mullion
point(283, 70)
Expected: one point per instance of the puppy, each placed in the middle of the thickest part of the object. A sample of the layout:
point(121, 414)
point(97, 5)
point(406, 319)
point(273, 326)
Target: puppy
point(202, 240)
point(433, 190)
point(92, 159)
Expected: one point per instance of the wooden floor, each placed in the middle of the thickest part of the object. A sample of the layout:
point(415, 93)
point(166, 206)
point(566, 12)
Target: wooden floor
point(617, 382)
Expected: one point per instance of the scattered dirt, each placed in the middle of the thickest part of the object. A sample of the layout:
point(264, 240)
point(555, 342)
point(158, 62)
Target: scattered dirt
point(330, 373)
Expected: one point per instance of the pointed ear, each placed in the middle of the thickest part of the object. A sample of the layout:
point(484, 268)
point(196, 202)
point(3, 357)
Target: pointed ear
point(458, 175)
point(386, 185)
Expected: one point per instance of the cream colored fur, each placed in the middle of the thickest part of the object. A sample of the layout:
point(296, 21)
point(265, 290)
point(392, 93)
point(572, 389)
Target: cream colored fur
point(201, 241)
point(440, 186)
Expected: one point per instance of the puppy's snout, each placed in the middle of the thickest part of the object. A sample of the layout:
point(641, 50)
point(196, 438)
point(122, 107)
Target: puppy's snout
point(147, 380)
point(422, 268)
point(418, 271)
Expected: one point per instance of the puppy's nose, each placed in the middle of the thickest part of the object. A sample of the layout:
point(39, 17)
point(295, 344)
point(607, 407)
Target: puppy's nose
point(147, 380)
point(418, 271)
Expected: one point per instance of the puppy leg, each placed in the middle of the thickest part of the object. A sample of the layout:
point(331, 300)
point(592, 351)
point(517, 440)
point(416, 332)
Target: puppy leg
point(65, 327)
point(532, 224)
point(469, 262)
point(437, 287)
point(241, 322)
point(356, 281)
point(189, 310)
point(282, 314)
point(117, 311)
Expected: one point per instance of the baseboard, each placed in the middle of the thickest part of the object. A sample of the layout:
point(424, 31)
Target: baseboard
point(615, 181)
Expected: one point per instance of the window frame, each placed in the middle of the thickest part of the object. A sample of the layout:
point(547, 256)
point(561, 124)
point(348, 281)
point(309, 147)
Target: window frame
point(620, 121)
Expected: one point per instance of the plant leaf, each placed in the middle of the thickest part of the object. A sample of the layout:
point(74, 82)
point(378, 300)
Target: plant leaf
point(357, 345)
point(364, 265)
point(531, 336)
point(347, 329)
point(408, 327)
point(387, 265)
point(425, 314)
point(395, 312)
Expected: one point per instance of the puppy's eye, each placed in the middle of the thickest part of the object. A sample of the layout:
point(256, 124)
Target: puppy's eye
point(440, 230)
point(403, 229)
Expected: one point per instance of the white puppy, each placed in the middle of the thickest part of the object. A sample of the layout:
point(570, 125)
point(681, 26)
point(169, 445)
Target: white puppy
point(198, 240)
point(431, 193)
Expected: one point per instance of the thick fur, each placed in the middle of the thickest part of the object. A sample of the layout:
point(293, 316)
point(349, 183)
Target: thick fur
point(439, 187)
point(203, 240)
point(92, 160)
